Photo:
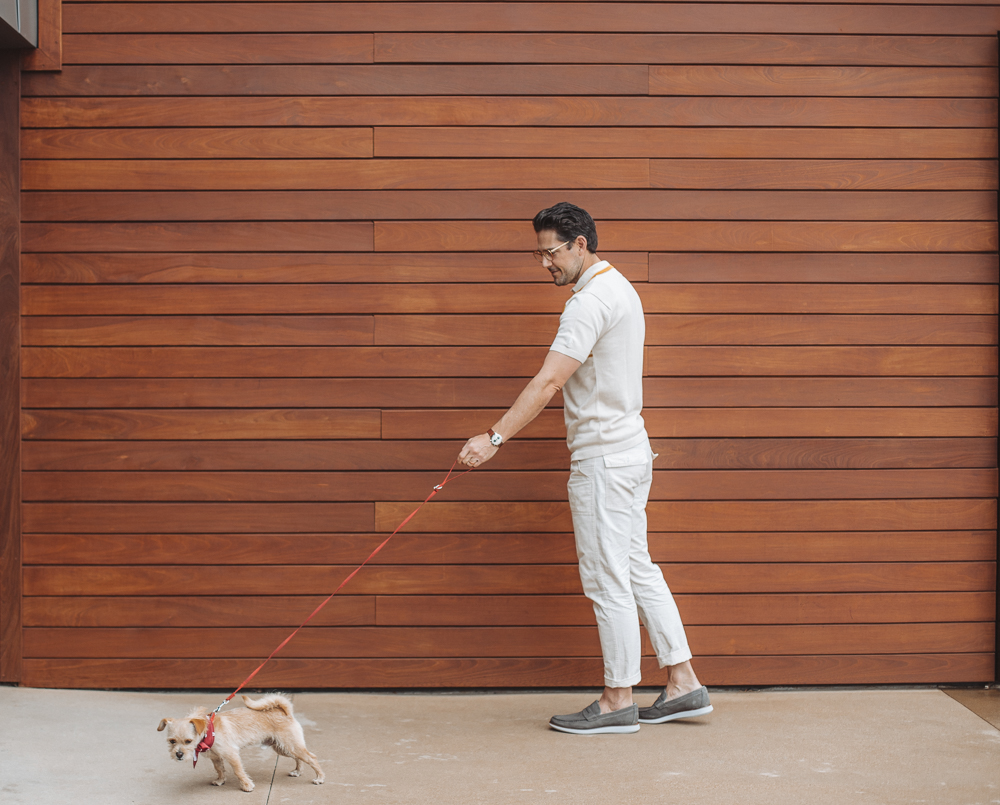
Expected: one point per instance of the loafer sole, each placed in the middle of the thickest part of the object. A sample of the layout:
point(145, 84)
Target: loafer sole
point(701, 711)
point(597, 730)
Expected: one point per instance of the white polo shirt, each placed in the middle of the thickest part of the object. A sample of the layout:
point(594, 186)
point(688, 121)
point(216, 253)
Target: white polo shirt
point(603, 327)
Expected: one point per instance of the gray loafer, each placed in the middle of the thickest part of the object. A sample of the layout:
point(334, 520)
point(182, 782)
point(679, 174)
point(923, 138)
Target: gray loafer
point(590, 721)
point(690, 705)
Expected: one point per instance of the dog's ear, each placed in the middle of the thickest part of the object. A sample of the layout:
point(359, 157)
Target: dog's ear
point(200, 725)
point(163, 724)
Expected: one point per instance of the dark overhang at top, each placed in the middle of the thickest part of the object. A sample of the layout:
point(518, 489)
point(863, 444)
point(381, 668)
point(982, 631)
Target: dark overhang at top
point(18, 23)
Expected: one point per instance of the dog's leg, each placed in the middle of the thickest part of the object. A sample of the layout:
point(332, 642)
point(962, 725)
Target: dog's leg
point(220, 769)
point(304, 754)
point(245, 782)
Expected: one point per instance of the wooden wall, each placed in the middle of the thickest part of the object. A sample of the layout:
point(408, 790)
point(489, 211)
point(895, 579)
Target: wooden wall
point(275, 272)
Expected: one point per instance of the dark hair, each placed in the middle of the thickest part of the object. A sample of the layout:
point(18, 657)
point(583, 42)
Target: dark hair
point(569, 222)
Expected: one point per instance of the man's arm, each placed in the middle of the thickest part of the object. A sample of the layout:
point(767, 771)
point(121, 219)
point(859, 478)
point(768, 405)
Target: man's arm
point(555, 371)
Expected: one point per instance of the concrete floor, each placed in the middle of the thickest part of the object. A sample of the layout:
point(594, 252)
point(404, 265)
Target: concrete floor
point(800, 747)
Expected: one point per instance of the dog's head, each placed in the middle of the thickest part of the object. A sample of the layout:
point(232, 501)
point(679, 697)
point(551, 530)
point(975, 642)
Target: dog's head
point(183, 735)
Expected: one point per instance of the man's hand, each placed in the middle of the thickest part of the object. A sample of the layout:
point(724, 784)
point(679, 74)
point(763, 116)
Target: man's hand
point(477, 451)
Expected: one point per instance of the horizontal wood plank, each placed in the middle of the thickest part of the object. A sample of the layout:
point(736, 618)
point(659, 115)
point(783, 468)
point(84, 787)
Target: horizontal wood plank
point(515, 361)
point(306, 205)
point(723, 236)
point(224, 48)
point(798, 515)
point(542, 486)
point(197, 517)
point(286, 674)
point(504, 641)
point(324, 174)
point(715, 423)
point(200, 143)
point(472, 610)
point(438, 298)
point(688, 142)
point(508, 579)
point(474, 548)
point(490, 17)
point(540, 610)
point(680, 392)
point(384, 80)
point(842, 81)
point(329, 267)
point(831, 267)
point(677, 453)
point(706, 47)
point(247, 423)
point(509, 111)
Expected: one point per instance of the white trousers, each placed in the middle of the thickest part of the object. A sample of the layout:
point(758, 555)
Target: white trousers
point(607, 496)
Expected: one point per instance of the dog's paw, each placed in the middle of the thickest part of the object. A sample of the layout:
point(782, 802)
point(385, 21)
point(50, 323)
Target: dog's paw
point(218, 782)
point(318, 782)
point(247, 786)
point(294, 773)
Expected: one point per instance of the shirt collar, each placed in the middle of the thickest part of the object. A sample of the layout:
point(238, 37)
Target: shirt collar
point(588, 275)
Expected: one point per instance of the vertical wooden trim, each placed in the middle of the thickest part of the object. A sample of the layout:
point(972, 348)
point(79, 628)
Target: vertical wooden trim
point(996, 583)
point(10, 369)
point(48, 54)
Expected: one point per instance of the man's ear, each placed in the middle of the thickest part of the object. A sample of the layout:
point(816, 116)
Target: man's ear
point(200, 725)
point(163, 724)
point(580, 241)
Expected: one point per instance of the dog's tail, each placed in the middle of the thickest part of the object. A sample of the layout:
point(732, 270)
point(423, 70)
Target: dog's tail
point(275, 701)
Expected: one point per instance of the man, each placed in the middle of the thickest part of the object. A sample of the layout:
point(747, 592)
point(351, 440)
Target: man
point(596, 359)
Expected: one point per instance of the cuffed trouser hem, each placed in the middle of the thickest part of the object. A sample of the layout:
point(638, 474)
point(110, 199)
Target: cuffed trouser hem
point(675, 658)
point(628, 682)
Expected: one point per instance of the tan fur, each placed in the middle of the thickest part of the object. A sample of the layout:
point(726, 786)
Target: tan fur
point(263, 722)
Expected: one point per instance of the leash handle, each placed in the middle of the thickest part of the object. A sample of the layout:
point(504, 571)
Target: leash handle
point(371, 556)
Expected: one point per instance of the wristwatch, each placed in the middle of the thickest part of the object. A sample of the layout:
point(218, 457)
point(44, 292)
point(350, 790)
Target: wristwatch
point(495, 438)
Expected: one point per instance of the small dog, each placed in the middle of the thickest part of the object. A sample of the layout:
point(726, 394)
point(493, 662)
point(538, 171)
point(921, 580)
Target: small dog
point(264, 722)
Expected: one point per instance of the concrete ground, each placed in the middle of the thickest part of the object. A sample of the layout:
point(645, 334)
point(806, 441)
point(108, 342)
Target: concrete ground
point(800, 747)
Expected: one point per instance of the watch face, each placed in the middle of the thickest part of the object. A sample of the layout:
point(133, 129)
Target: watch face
point(495, 440)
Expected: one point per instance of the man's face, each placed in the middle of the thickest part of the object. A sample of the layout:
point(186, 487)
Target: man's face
point(566, 263)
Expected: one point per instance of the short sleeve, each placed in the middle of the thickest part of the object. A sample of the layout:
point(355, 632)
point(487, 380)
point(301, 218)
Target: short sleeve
point(582, 322)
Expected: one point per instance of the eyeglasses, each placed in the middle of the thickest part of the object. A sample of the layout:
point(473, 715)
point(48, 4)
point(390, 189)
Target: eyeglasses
point(550, 253)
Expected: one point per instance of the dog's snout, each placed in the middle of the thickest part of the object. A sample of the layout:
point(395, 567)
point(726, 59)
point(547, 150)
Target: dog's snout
point(179, 755)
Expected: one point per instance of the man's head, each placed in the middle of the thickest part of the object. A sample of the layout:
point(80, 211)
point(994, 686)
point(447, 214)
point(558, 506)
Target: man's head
point(567, 241)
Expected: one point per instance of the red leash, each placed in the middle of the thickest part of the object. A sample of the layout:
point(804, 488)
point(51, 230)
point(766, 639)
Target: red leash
point(285, 642)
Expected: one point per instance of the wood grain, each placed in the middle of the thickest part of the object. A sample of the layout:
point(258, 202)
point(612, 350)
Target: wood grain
point(467, 610)
point(832, 267)
point(385, 80)
point(329, 423)
point(490, 17)
point(328, 267)
point(476, 549)
point(696, 141)
point(10, 374)
point(720, 515)
point(316, 174)
point(496, 641)
point(681, 485)
point(225, 48)
point(508, 579)
point(200, 143)
point(521, 205)
point(472, 610)
point(387, 454)
point(889, 82)
point(503, 672)
point(718, 423)
point(509, 111)
point(706, 47)
point(722, 236)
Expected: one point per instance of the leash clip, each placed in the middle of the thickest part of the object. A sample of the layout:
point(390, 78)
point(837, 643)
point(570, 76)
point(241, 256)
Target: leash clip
point(439, 486)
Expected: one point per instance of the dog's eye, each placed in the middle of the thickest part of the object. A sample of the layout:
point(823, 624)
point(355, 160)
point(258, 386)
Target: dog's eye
point(187, 740)
point(171, 741)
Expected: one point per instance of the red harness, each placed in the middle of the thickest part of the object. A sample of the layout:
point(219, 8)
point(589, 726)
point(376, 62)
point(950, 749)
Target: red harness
point(206, 743)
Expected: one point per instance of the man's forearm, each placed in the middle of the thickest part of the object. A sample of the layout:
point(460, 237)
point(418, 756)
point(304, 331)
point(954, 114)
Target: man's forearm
point(529, 404)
